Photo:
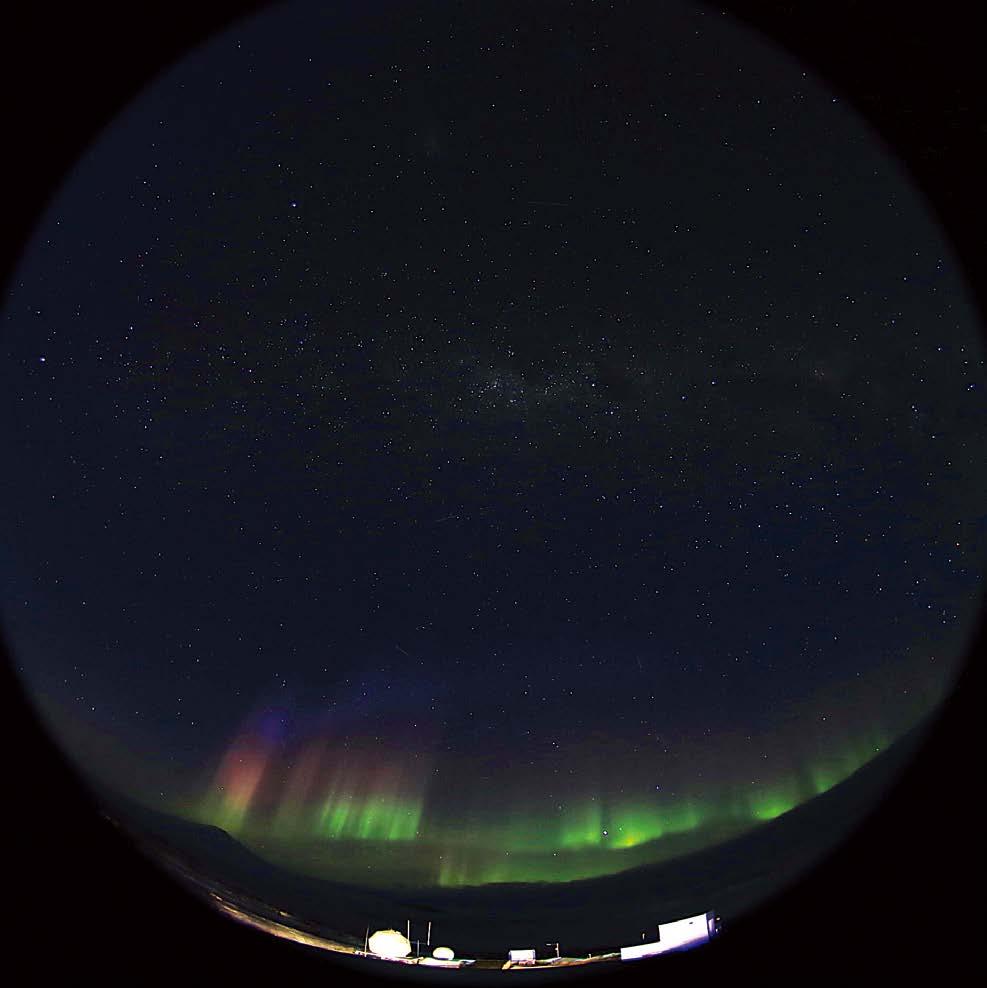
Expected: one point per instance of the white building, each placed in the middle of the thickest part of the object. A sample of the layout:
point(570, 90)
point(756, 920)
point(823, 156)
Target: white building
point(682, 934)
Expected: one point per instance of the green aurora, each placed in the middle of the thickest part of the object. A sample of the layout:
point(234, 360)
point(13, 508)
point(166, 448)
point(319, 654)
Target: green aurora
point(367, 830)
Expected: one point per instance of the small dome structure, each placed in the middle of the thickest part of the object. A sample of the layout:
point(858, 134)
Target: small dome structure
point(443, 953)
point(389, 943)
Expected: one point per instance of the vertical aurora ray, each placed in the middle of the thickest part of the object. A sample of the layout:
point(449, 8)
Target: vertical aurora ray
point(582, 826)
point(767, 803)
point(452, 871)
point(683, 817)
point(633, 824)
point(294, 807)
point(637, 824)
point(237, 784)
point(335, 814)
point(825, 772)
point(274, 791)
point(240, 785)
point(823, 777)
point(367, 799)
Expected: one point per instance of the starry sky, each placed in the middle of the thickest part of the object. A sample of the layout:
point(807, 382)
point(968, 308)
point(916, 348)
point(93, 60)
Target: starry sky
point(492, 431)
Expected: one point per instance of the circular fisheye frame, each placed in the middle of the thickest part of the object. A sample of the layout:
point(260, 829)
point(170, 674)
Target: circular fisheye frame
point(498, 486)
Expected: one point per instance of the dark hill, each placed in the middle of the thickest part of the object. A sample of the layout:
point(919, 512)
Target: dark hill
point(596, 914)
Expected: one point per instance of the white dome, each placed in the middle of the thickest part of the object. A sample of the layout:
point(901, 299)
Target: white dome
point(443, 953)
point(389, 943)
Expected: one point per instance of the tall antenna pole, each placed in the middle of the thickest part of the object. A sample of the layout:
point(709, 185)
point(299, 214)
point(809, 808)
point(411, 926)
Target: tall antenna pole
point(428, 941)
point(366, 941)
point(409, 931)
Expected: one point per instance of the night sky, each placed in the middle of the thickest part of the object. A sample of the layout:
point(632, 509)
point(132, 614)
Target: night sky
point(511, 446)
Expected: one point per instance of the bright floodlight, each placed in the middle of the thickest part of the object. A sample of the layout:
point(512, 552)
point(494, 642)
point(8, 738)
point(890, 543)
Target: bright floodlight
point(389, 943)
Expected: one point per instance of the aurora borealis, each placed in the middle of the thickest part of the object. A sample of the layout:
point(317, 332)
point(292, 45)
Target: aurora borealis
point(361, 797)
point(363, 813)
point(434, 483)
